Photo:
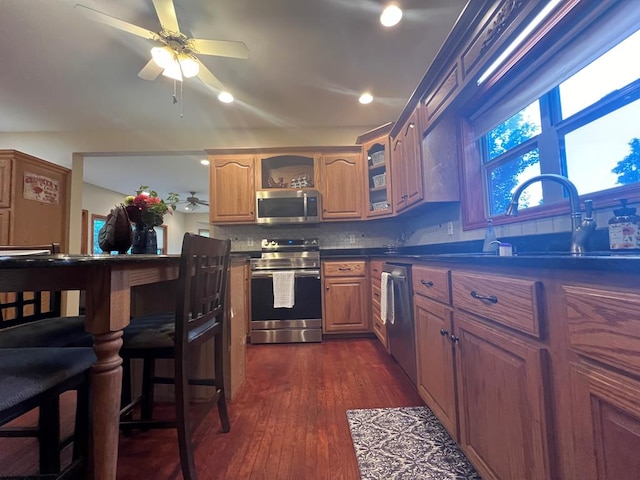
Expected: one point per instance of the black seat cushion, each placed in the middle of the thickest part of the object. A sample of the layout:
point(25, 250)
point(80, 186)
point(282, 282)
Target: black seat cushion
point(153, 330)
point(50, 332)
point(28, 372)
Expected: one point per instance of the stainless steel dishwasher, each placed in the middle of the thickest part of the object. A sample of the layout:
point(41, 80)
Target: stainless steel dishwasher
point(401, 331)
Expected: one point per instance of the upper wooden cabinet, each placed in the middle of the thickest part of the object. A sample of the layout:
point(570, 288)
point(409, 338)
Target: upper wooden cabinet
point(287, 169)
point(341, 189)
point(440, 160)
point(34, 200)
point(231, 188)
point(376, 161)
point(406, 165)
point(5, 182)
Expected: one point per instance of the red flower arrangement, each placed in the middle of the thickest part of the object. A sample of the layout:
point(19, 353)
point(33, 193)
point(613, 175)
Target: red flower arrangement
point(147, 208)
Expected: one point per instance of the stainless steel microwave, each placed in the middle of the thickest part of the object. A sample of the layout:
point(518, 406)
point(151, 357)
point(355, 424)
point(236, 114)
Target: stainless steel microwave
point(287, 206)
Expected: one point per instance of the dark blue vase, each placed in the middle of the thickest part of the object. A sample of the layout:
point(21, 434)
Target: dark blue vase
point(145, 240)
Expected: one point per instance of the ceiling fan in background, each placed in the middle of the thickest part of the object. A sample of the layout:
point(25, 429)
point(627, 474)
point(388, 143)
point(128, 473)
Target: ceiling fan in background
point(192, 202)
point(174, 55)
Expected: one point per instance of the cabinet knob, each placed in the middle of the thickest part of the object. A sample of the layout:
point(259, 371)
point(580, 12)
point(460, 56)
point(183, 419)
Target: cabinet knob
point(426, 283)
point(327, 289)
point(454, 339)
point(484, 298)
point(443, 332)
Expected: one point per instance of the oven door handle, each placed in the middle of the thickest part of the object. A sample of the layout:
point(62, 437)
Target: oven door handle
point(304, 202)
point(301, 273)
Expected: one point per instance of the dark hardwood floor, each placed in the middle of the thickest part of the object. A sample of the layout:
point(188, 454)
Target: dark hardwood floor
point(288, 421)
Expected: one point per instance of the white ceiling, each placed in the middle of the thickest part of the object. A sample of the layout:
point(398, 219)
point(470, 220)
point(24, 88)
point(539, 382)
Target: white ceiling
point(309, 61)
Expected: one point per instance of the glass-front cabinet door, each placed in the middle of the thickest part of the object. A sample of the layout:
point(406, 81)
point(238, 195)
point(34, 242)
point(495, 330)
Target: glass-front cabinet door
point(375, 148)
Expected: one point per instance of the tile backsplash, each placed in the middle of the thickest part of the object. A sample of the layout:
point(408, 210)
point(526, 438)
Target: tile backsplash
point(439, 224)
point(373, 233)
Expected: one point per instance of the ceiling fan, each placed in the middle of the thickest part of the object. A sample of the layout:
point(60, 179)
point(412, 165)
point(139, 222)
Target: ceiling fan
point(175, 53)
point(193, 202)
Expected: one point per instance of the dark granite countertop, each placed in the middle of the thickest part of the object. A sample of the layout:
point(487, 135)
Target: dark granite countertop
point(57, 260)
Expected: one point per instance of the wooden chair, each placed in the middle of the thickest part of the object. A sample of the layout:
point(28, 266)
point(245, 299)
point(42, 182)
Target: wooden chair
point(31, 323)
point(33, 319)
point(199, 316)
point(35, 378)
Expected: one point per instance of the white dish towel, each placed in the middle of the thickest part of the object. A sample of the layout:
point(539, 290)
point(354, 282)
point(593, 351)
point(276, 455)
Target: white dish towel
point(386, 299)
point(283, 289)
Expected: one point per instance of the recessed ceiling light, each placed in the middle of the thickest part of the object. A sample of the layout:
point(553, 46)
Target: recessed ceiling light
point(365, 98)
point(204, 162)
point(391, 16)
point(225, 97)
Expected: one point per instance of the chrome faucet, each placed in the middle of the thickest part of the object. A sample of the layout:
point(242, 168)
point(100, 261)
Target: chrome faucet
point(580, 229)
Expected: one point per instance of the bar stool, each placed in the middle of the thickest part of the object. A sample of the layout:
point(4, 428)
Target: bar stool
point(35, 378)
point(199, 316)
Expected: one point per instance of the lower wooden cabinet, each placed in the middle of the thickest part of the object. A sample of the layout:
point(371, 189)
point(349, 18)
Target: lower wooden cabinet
point(345, 297)
point(501, 400)
point(379, 328)
point(602, 328)
point(607, 423)
point(435, 359)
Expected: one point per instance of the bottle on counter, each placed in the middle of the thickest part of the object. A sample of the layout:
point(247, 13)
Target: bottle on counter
point(488, 245)
point(624, 228)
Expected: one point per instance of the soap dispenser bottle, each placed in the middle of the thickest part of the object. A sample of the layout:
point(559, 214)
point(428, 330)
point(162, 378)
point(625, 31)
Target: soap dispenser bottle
point(489, 237)
point(624, 228)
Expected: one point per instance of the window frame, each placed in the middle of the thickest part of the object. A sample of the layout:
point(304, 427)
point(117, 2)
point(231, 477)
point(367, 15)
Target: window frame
point(475, 203)
point(94, 240)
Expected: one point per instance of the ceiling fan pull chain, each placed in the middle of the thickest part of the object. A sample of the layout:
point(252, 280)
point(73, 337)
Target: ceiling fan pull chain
point(181, 102)
point(173, 97)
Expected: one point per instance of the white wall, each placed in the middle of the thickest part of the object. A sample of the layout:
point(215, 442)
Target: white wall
point(58, 147)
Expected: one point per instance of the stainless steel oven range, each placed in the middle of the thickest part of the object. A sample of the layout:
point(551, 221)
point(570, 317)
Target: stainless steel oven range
point(302, 322)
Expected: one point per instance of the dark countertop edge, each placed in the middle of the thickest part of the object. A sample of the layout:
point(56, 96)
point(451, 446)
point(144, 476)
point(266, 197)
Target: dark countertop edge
point(30, 261)
point(604, 261)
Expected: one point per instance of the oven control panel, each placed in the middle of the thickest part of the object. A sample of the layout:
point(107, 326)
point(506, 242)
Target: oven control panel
point(284, 244)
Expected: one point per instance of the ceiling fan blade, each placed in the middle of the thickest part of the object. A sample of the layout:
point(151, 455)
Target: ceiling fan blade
point(209, 78)
point(220, 48)
point(150, 71)
point(100, 17)
point(167, 15)
point(202, 202)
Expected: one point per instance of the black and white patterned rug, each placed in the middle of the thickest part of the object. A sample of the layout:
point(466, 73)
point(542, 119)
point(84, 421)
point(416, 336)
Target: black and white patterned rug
point(405, 443)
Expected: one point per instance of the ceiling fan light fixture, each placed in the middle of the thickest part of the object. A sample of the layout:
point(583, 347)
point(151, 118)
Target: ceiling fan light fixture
point(163, 56)
point(173, 71)
point(225, 97)
point(189, 66)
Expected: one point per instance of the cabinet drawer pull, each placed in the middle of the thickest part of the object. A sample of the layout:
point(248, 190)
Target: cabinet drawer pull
point(342, 269)
point(426, 283)
point(443, 332)
point(488, 298)
point(454, 339)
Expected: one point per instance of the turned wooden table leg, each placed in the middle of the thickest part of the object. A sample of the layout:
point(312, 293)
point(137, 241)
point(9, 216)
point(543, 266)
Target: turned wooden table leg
point(106, 386)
